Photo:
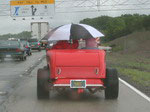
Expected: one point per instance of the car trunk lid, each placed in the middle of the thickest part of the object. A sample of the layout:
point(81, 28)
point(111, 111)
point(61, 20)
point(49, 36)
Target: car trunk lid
point(79, 64)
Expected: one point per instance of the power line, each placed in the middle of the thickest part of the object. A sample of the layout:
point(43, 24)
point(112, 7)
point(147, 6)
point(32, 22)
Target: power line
point(107, 10)
point(62, 6)
point(73, 6)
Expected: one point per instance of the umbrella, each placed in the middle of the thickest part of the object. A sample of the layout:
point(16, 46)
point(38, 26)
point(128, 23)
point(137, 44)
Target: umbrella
point(73, 31)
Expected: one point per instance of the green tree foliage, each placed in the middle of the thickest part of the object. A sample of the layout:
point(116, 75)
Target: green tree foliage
point(22, 35)
point(99, 23)
point(146, 22)
point(115, 27)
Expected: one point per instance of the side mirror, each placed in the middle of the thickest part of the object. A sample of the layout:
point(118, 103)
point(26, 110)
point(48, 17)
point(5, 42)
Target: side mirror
point(51, 44)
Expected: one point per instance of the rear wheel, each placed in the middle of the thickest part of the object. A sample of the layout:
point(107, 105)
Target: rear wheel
point(112, 84)
point(1, 59)
point(25, 57)
point(39, 49)
point(29, 53)
point(22, 58)
point(15, 57)
point(42, 84)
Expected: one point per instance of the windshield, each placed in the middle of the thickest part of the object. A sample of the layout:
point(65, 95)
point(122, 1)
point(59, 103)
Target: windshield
point(33, 40)
point(24, 42)
point(13, 43)
point(3, 43)
point(9, 43)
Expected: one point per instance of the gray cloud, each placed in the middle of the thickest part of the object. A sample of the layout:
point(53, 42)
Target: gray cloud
point(8, 25)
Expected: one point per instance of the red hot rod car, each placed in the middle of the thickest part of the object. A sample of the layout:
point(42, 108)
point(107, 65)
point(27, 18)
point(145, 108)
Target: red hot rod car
point(77, 69)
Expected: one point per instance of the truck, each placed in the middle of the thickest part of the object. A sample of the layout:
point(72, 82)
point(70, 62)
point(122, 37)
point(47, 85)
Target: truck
point(39, 30)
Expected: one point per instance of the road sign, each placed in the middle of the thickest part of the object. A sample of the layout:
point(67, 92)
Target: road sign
point(28, 8)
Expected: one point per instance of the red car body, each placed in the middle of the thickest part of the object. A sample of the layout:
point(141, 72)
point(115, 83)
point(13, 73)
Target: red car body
point(76, 64)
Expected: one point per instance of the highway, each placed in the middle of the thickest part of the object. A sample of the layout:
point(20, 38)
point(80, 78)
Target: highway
point(18, 93)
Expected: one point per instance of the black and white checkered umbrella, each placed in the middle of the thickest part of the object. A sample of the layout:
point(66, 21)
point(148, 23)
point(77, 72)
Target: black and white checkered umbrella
point(73, 31)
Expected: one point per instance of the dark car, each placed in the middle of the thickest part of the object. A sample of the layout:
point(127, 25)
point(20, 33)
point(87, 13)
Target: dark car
point(35, 44)
point(27, 47)
point(14, 49)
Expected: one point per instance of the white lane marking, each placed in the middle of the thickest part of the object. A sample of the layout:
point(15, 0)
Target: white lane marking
point(136, 90)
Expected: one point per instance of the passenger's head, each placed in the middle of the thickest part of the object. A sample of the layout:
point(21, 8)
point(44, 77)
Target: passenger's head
point(90, 42)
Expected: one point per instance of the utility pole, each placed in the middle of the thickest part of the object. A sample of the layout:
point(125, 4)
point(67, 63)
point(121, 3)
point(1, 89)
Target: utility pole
point(98, 5)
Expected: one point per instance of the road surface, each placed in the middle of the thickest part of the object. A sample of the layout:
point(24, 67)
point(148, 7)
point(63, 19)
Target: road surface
point(12, 70)
point(23, 98)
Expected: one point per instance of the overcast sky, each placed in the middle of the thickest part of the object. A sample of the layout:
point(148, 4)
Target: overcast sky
point(8, 25)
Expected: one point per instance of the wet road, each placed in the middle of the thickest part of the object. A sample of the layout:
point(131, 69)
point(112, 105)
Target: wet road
point(12, 70)
point(23, 99)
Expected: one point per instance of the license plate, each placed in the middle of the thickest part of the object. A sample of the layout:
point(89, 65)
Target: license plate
point(78, 84)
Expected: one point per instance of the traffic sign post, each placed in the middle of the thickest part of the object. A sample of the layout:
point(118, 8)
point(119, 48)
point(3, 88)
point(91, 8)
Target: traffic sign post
point(30, 8)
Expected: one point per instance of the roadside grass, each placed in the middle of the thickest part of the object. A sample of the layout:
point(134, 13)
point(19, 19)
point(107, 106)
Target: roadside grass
point(134, 65)
point(137, 69)
point(133, 62)
point(131, 56)
point(140, 77)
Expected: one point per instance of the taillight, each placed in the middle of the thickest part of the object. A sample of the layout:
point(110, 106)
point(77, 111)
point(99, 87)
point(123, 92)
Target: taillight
point(18, 50)
point(39, 44)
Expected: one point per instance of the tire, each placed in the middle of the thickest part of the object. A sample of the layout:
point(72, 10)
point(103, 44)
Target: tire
point(2, 59)
point(22, 58)
point(42, 84)
point(112, 84)
point(25, 58)
point(28, 53)
point(39, 49)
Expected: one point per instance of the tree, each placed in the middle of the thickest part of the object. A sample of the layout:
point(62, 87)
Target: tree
point(119, 26)
point(22, 35)
point(115, 28)
point(146, 22)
